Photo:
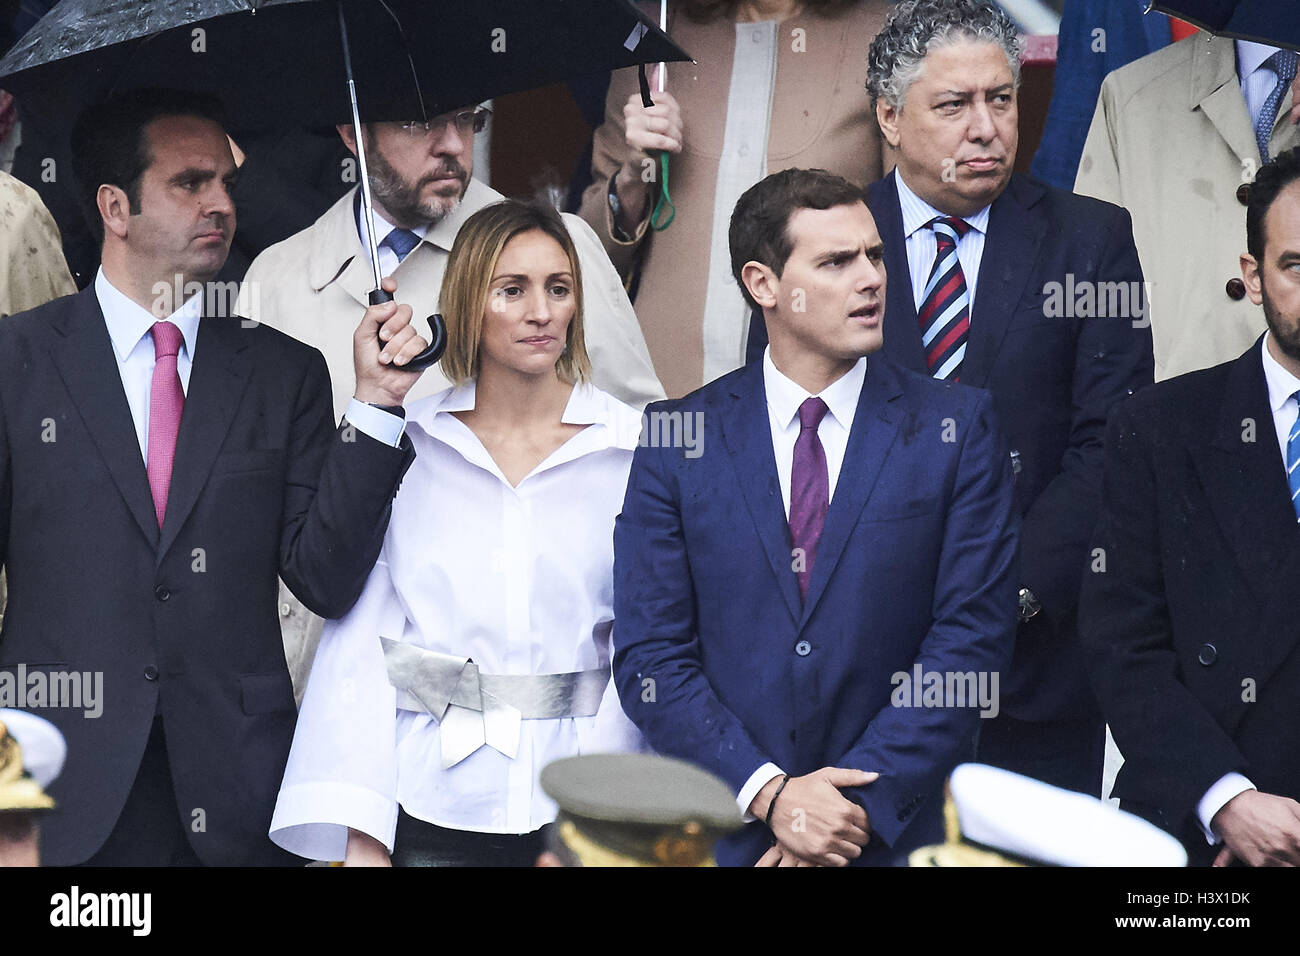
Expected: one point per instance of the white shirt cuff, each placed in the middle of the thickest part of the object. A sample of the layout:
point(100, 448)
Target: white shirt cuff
point(756, 782)
point(378, 424)
point(312, 819)
point(1223, 790)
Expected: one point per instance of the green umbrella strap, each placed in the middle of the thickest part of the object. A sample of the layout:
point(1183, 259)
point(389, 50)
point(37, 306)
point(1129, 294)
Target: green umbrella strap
point(664, 206)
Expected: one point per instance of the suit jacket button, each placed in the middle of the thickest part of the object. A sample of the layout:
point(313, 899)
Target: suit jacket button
point(161, 593)
point(151, 673)
point(1208, 654)
point(1243, 194)
point(803, 648)
point(1236, 289)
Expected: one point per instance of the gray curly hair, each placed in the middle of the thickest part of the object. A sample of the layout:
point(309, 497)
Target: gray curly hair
point(897, 53)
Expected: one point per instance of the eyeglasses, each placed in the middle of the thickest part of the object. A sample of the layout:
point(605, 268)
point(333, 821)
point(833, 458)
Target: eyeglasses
point(467, 122)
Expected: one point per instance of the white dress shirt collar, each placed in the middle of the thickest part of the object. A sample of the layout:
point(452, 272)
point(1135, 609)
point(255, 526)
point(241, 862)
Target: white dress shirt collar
point(1281, 383)
point(785, 396)
point(917, 213)
point(1250, 57)
point(611, 424)
point(382, 228)
point(128, 321)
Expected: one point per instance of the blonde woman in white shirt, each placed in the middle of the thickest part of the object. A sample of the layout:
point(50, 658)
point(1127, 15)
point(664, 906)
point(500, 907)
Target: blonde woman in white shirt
point(480, 648)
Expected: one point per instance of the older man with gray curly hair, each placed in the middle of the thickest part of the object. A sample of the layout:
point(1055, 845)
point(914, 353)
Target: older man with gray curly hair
point(1001, 282)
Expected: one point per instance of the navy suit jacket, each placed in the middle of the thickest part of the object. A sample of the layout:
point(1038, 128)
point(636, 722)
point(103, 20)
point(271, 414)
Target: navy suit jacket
point(1192, 629)
point(719, 662)
point(1054, 381)
point(1127, 33)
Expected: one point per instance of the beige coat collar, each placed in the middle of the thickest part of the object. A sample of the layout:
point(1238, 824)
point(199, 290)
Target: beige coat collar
point(1216, 90)
point(337, 254)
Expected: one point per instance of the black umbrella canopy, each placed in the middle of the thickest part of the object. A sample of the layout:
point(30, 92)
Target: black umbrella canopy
point(1275, 22)
point(280, 61)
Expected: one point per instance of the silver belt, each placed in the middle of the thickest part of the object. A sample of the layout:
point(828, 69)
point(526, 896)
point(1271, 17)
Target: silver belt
point(474, 709)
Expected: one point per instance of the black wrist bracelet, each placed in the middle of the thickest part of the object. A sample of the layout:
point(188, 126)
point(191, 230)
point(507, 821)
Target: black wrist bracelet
point(772, 805)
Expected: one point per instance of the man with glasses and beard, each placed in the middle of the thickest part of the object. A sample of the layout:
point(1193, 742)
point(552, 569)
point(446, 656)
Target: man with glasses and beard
point(1189, 614)
point(314, 285)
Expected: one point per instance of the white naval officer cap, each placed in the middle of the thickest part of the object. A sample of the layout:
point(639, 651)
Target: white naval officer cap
point(1043, 824)
point(42, 745)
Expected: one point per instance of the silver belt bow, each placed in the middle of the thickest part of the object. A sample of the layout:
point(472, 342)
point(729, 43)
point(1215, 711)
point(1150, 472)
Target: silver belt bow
point(473, 708)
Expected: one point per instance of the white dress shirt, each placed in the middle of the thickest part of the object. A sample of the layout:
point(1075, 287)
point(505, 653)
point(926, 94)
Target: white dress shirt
point(921, 244)
point(1282, 386)
point(1257, 80)
point(783, 400)
point(129, 325)
point(519, 579)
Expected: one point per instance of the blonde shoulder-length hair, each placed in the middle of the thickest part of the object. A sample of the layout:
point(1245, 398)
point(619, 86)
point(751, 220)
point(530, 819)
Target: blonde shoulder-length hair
point(468, 281)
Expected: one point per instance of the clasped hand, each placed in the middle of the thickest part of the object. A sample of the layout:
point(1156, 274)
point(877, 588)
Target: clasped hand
point(814, 824)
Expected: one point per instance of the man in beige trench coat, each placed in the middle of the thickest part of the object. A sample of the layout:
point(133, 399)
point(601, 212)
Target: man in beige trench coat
point(1173, 140)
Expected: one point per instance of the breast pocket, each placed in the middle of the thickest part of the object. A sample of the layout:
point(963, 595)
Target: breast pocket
point(246, 462)
point(266, 693)
point(1040, 320)
point(901, 510)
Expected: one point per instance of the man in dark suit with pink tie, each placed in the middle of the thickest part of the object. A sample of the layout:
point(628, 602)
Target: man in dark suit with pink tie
point(160, 464)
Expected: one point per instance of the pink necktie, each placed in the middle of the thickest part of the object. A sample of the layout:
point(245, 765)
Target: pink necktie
point(166, 402)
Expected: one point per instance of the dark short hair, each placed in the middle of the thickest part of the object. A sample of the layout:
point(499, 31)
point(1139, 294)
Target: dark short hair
point(1269, 181)
point(760, 223)
point(108, 142)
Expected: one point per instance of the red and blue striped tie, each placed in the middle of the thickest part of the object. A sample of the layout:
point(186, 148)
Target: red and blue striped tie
point(944, 316)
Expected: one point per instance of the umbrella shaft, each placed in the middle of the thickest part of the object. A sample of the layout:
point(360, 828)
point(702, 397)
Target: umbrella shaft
point(367, 208)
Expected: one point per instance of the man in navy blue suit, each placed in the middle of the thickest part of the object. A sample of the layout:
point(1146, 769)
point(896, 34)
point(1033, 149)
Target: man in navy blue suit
point(814, 602)
point(1032, 293)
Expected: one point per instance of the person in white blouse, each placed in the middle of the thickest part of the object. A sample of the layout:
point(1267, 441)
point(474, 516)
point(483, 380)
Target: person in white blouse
point(480, 648)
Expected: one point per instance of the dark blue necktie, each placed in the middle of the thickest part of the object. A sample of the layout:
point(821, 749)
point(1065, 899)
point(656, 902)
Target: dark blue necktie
point(1283, 63)
point(401, 241)
point(1293, 462)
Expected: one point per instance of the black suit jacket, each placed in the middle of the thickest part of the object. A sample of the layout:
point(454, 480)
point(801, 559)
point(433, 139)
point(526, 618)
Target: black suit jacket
point(1192, 628)
point(180, 620)
point(1054, 380)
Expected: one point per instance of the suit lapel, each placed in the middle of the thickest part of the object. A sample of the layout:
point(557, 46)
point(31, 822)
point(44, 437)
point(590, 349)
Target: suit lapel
point(217, 381)
point(875, 426)
point(1246, 484)
point(902, 336)
point(748, 438)
point(337, 256)
point(1216, 91)
point(1011, 248)
point(86, 363)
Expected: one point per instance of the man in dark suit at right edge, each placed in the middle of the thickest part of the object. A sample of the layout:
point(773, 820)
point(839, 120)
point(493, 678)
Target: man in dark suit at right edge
point(1191, 612)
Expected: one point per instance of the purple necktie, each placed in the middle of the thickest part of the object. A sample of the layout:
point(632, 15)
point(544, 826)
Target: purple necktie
point(166, 402)
point(809, 489)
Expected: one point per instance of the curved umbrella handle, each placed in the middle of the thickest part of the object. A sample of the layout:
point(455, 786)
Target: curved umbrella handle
point(437, 337)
